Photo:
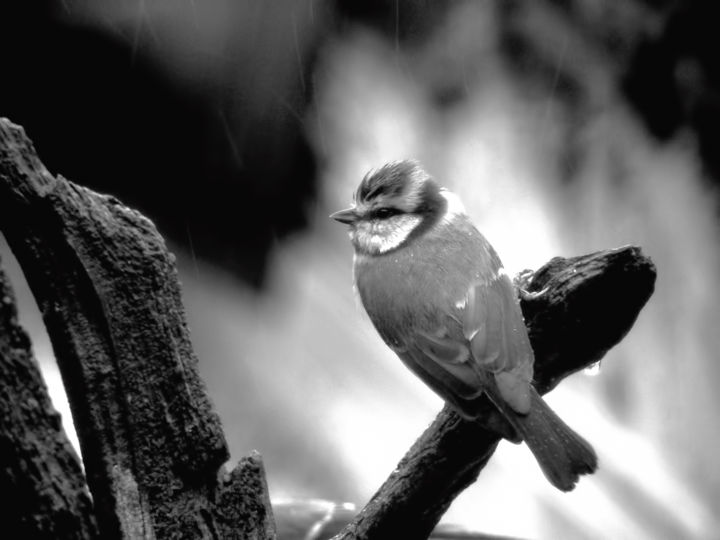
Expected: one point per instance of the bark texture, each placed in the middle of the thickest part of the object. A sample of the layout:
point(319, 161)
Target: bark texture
point(41, 482)
point(108, 289)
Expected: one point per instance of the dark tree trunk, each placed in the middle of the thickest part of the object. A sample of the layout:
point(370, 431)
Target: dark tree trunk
point(107, 286)
point(42, 485)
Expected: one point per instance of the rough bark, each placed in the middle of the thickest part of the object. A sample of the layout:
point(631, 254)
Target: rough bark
point(588, 305)
point(41, 482)
point(108, 289)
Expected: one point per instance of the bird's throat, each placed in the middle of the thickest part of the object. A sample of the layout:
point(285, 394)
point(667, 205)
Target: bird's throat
point(377, 237)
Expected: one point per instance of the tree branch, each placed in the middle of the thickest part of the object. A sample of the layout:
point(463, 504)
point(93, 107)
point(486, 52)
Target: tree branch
point(588, 305)
point(108, 290)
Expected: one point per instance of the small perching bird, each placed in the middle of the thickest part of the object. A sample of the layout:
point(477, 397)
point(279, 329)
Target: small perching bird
point(438, 296)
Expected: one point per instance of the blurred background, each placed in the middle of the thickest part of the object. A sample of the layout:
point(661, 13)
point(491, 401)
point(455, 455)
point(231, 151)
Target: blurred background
point(566, 126)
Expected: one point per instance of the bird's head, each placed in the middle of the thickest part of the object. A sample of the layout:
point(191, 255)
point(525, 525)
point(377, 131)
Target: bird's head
point(392, 205)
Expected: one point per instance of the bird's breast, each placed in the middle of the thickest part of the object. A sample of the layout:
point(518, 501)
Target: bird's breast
point(420, 286)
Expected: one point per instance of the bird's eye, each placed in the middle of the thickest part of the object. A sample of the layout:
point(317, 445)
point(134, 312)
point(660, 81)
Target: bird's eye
point(386, 212)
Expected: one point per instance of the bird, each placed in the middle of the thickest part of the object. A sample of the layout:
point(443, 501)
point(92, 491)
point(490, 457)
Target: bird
point(439, 297)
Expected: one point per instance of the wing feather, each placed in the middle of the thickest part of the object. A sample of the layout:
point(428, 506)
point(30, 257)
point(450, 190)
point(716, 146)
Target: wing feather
point(458, 386)
point(484, 344)
point(508, 354)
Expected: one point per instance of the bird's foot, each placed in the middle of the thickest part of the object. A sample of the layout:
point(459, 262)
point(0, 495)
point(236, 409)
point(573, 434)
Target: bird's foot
point(527, 296)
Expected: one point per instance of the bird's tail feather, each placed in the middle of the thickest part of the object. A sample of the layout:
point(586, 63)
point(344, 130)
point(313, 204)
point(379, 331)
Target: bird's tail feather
point(562, 454)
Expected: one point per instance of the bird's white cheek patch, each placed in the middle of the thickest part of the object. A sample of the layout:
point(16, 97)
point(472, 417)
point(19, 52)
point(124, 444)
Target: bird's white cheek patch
point(384, 235)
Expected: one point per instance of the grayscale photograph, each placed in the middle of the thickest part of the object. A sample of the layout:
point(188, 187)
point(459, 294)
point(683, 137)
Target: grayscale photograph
point(380, 270)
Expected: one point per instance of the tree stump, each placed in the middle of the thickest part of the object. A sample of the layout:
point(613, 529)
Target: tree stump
point(108, 290)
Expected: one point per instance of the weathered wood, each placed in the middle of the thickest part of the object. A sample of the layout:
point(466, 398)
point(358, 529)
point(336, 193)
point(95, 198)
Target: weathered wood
point(244, 507)
point(108, 289)
point(588, 305)
point(41, 482)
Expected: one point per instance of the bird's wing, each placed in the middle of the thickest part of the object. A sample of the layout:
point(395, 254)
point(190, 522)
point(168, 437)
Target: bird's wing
point(492, 322)
point(455, 382)
point(492, 350)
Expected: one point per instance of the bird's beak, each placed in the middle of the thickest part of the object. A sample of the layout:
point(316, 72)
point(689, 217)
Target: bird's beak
point(347, 216)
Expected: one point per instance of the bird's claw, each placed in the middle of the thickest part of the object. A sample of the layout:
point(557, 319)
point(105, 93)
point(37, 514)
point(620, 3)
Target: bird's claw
point(527, 296)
